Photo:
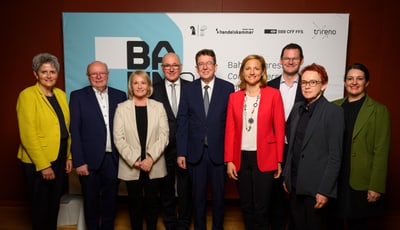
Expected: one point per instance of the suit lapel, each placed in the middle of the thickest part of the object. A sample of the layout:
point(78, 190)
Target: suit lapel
point(293, 122)
point(363, 115)
point(93, 101)
point(111, 102)
point(112, 106)
point(214, 102)
point(299, 94)
point(165, 100)
point(164, 94)
point(198, 97)
point(212, 99)
point(315, 119)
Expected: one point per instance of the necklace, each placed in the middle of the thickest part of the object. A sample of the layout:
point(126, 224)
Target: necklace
point(249, 121)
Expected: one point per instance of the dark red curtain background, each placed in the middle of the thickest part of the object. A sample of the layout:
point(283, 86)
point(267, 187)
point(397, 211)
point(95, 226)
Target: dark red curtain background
point(30, 27)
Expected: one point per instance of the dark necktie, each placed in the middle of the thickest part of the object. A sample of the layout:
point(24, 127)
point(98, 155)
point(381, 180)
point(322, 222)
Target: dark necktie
point(206, 105)
point(206, 99)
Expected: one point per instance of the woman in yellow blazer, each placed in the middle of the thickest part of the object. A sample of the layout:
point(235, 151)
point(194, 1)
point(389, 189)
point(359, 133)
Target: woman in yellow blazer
point(362, 180)
point(141, 135)
point(43, 121)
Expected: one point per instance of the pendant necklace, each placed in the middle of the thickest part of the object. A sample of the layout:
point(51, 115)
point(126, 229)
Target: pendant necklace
point(249, 121)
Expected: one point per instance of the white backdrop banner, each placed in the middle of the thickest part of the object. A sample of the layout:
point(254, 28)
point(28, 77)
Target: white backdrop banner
point(133, 41)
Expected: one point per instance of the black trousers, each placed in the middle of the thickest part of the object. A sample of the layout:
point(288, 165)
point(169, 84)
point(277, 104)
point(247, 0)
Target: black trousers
point(279, 214)
point(45, 195)
point(100, 190)
point(203, 174)
point(179, 178)
point(255, 192)
point(185, 201)
point(305, 216)
point(143, 201)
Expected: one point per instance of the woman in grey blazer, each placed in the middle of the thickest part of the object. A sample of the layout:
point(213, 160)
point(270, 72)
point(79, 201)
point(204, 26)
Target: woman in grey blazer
point(141, 135)
point(315, 135)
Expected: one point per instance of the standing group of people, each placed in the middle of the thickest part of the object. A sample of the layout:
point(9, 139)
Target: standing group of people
point(331, 158)
point(300, 161)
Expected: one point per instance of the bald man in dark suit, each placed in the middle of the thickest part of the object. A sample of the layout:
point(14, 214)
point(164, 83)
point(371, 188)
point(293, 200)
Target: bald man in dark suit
point(163, 92)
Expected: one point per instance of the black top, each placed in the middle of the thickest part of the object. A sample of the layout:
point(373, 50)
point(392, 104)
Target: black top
point(352, 203)
point(141, 123)
point(63, 128)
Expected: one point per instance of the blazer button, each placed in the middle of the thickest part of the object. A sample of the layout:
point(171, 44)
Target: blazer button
point(302, 155)
point(353, 154)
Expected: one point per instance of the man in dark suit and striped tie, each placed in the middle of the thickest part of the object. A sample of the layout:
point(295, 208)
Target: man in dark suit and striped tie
point(200, 138)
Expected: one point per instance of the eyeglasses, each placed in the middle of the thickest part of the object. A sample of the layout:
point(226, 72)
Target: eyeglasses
point(312, 83)
point(168, 66)
point(101, 74)
point(201, 64)
point(286, 59)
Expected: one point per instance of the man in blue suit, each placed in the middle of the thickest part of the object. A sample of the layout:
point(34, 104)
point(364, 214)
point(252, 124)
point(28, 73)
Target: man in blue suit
point(94, 154)
point(163, 92)
point(200, 138)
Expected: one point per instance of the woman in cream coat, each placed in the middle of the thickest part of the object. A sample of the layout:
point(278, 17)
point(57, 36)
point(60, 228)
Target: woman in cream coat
point(141, 135)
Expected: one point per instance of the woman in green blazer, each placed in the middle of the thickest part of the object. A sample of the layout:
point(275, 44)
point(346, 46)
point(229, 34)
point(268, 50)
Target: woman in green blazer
point(43, 121)
point(362, 179)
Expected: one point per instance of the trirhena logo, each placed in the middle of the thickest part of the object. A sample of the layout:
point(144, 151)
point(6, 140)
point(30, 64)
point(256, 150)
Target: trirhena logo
point(322, 31)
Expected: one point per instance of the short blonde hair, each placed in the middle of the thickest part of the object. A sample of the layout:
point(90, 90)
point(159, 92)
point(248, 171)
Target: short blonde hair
point(145, 76)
